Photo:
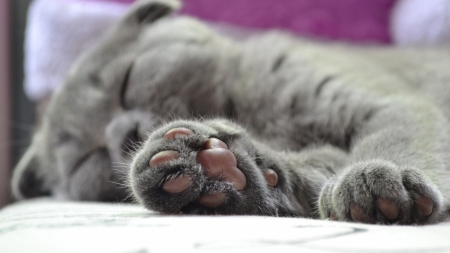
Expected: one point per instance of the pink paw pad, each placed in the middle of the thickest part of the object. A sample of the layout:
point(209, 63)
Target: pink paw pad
point(178, 184)
point(218, 161)
point(172, 133)
point(271, 177)
point(163, 157)
point(358, 214)
point(221, 162)
point(388, 208)
point(425, 206)
point(212, 200)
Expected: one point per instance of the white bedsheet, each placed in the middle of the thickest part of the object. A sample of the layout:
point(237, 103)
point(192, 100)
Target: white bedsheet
point(49, 226)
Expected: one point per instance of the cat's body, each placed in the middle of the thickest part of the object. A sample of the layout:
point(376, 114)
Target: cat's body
point(319, 129)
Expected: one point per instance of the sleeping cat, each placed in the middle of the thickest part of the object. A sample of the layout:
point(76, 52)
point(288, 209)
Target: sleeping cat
point(193, 122)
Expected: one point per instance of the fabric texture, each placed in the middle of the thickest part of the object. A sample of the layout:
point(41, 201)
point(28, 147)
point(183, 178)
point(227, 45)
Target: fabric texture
point(51, 226)
point(346, 20)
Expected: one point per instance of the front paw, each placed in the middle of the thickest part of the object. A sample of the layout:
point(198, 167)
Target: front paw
point(202, 167)
point(381, 192)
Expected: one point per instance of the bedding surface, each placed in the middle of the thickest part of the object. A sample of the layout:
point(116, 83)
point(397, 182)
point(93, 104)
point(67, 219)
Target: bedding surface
point(45, 225)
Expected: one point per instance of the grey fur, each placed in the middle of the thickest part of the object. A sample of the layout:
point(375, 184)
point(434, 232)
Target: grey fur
point(339, 124)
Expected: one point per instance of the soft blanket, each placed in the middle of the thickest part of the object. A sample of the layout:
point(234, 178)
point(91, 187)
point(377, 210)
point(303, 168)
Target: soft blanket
point(50, 226)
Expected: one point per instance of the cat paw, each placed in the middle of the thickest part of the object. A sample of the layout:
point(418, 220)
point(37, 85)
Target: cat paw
point(201, 167)
point(380, 192)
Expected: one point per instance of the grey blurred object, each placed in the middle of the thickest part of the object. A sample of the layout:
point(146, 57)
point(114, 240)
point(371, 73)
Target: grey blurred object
point(17, 114)
point(5, 162)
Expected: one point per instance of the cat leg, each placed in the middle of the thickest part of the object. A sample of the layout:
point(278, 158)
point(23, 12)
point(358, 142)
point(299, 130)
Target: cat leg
point(380, 192)
point(394, 176)
point(213, 166)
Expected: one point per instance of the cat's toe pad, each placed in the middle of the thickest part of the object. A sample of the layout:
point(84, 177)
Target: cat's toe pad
point(388, 208)
point(217, 160)
point(358, 214)
point(212, 200)
point(172, 133)
point(391, 211)
point(178, 184)
point(425, 205)
point(220, 162)
point(271, 177)
point(163, 157)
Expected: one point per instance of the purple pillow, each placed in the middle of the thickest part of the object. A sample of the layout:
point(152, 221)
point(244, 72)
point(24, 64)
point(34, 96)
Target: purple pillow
point(348, 20)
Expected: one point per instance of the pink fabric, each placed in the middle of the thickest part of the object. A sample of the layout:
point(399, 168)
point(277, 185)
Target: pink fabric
point(349, 20)
point(364, 21)
point(117, 1)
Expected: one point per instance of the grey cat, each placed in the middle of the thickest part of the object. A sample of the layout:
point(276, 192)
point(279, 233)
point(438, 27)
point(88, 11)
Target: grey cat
point(194, 122)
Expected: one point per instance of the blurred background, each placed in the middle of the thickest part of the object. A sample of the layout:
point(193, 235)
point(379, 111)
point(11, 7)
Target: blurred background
point(16, 110)
point(40, 39)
